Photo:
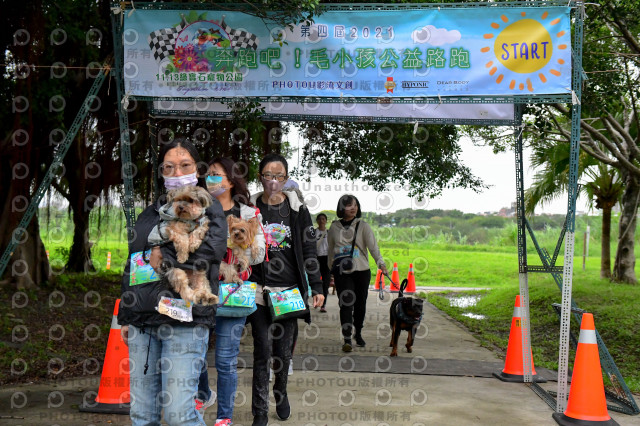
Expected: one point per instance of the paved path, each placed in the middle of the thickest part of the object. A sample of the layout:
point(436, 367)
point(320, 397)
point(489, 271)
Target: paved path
point(445, 381)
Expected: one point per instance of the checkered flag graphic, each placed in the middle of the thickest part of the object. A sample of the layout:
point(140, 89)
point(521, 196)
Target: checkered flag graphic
point(240, 39)
point(162, 41)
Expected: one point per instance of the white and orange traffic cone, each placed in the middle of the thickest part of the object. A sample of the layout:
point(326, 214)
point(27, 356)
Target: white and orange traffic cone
point(113, 394)
point(513, 366)
point(379, 280)
point(411, 281)
point(395, 279)
point(587, 402)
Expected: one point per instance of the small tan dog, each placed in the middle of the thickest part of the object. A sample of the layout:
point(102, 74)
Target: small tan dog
point(187, 227)
point(242, 235)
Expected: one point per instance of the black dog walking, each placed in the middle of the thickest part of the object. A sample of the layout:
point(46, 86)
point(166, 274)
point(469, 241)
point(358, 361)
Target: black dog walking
point(405, 313)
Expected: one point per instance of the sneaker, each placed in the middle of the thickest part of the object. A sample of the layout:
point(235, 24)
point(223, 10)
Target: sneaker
point(323, 310)
point(283, 410)
point(290, 372)
point(347, 346)
point(260, 420)
point(223, 422)
point(203, 405)
point(359, 341)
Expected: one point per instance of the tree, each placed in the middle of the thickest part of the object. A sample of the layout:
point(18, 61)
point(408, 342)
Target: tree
point(600, 183)
point(609, 122)
point(610, 104)
point(379, 154)
point(41, 98)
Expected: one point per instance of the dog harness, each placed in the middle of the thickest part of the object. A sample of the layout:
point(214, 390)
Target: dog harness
point(402, 316)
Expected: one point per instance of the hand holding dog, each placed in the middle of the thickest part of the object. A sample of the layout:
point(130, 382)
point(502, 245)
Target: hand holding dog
point(155, 259)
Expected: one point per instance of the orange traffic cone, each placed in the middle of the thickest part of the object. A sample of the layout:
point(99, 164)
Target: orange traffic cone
point(113, 394)
point(411, 281)
point(379, 280)
point(395, 279)
point(587, 403)
point(513, 370)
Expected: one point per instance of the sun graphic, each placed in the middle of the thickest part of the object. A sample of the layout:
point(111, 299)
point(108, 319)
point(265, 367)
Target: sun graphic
point(523, 48)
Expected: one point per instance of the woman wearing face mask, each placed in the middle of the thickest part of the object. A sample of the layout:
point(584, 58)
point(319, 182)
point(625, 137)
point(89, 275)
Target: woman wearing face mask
point(225, 183)
point(165, 351)
point(352, 282)
point(291, 249)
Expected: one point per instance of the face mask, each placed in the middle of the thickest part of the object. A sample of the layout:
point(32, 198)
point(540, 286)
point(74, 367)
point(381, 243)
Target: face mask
point(213, 187)
point(272, 186)
point(174, 182)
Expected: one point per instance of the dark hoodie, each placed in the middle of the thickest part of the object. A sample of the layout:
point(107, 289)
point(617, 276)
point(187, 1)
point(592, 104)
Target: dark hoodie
point(139, 302)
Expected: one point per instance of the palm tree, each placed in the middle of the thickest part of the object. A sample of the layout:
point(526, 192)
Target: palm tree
point(601, 184)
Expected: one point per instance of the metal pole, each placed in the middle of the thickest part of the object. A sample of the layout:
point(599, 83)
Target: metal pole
point(128, 168)
point(522, 255)
point(567, 272)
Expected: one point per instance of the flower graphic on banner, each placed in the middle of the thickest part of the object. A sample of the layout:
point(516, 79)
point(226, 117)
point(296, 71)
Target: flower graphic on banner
point(200, 45)
point(523, 48)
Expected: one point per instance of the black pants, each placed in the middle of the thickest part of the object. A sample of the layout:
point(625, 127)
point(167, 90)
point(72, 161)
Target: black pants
point(352, 289)
point(270, 339)
point(326, 277)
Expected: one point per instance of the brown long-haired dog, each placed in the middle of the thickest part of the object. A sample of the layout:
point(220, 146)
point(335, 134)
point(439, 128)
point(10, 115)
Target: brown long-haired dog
point(242, 235)
point(188, 205)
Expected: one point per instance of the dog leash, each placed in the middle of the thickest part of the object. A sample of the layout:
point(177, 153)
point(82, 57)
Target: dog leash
point(230, 294)
point(401, 288)
point(381, 290)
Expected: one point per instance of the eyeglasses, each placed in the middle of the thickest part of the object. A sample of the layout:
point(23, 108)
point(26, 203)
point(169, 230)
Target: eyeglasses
point(271, 176)
point(217, 174)
point(169, 169)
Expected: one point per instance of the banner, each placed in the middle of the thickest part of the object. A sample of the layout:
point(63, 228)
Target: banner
point(361, 53)
point(398, 113)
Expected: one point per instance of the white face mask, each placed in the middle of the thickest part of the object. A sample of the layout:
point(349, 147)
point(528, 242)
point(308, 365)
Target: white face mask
point(174, 182)
point(272, 186)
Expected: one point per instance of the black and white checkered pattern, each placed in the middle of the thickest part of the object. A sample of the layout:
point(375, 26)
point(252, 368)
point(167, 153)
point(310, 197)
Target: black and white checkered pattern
point(162, 41)
point(240, 39)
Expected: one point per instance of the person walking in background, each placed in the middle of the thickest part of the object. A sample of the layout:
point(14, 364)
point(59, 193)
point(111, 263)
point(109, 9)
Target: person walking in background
point(350, 240)
point(322, 251)
point(166, 353)
point(291, 251)
point(226, 184)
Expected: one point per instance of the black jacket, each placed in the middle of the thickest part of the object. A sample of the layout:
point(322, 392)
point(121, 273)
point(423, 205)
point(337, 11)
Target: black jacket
point(138, 303)
point(303, 235)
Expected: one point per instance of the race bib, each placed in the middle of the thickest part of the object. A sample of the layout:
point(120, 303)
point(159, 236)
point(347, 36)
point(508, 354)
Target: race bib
point(175, 308)
point(230, 295)
point(286, 301)
point(141, 272)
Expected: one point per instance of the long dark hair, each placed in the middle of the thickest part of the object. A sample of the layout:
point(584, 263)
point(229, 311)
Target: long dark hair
point(181, 142)
point(239, 192)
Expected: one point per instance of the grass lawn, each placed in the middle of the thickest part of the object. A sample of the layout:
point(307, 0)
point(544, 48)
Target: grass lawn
point(614, 305)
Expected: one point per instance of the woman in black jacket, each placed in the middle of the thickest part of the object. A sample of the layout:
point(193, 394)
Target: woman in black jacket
point(291, 251)
point(167, 354)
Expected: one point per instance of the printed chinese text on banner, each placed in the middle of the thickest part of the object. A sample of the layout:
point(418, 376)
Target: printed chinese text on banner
point(384, 53)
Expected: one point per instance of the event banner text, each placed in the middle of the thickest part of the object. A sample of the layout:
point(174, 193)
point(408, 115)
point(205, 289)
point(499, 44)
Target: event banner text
point(385, 53)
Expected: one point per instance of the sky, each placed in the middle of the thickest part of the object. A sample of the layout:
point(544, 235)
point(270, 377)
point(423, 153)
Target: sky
point(496, 170)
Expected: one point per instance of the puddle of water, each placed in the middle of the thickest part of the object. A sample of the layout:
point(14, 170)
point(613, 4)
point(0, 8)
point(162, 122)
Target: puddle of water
point(474, 316)
point(463, 301)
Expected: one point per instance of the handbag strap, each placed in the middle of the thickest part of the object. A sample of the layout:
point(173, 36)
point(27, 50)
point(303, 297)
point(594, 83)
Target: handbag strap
point(230, 293)
point(353, 244)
